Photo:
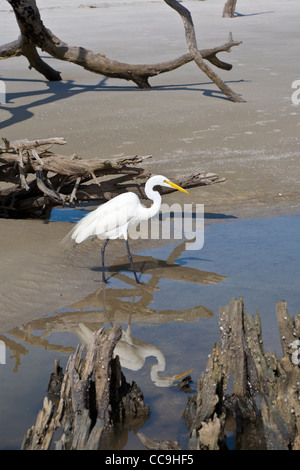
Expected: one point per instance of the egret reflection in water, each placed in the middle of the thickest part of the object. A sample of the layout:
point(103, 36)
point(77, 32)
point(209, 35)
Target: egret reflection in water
point(122, 301)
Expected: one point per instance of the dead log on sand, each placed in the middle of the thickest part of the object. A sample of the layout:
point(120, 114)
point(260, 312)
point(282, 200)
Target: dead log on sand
point(42, 179)
point(94, 400)
point(264, 408)
point(35, 35)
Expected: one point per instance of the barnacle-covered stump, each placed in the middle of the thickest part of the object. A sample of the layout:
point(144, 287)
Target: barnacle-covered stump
point(40, 179)
point(90, 402)
point(263, 409)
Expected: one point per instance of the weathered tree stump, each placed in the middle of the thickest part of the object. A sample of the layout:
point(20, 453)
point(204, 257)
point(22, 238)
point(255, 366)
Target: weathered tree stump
point(229, 9)
point(42, 179)
point(94, 400)
point(265, 404)
point(243, 389)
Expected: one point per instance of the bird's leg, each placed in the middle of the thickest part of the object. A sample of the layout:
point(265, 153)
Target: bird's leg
point(103, 264)
point(131, 262)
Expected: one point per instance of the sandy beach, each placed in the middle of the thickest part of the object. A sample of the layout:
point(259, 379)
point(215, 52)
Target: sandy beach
point(184, 122)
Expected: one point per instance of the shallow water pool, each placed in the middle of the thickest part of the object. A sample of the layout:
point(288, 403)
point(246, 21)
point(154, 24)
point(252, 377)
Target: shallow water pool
point(171, 319)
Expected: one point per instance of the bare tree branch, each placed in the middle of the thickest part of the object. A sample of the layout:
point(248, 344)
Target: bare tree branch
point(195, 53)
point(34, 34)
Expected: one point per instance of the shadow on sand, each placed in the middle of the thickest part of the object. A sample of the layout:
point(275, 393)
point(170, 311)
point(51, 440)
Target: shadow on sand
point(56, 91)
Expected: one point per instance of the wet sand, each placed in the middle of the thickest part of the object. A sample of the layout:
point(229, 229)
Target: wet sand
point(184, 122)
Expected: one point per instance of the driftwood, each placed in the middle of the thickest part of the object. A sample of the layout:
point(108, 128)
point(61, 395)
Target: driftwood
point(264, 407)
point(92, 400)
point(243, 390)
point(229, 9)
point(42, 179)
point(196, 54)
point(154, 444)
point(34, 34)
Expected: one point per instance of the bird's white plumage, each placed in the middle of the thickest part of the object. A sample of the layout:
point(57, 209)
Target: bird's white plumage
point(111, 220)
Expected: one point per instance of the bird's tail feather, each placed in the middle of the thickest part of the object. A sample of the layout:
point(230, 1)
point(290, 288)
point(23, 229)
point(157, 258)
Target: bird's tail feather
point(67, 241)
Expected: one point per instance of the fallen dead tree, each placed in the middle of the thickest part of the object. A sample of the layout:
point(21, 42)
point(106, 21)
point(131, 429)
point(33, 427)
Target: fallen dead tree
point(229, 9)
point(35, 35)
point(243, 390)
point(41, 179)
point(92, 400)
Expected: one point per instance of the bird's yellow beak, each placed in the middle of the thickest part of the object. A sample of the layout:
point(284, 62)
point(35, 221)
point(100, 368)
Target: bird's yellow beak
point(179, 376)
point(175, 186)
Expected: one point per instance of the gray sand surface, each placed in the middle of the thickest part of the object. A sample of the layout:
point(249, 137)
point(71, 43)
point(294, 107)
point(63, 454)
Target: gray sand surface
point(184, 122)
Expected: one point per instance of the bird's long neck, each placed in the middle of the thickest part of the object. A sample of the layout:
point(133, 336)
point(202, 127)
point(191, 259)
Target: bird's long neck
point(156, 198)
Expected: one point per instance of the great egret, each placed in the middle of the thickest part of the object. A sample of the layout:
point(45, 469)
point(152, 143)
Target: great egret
point(112, 219)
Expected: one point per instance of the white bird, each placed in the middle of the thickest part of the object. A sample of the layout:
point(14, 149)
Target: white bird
point(112, 219)
point(133, 352)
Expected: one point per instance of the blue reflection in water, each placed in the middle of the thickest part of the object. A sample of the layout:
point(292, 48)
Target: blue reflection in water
point(260, 259)
point(261, 262)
